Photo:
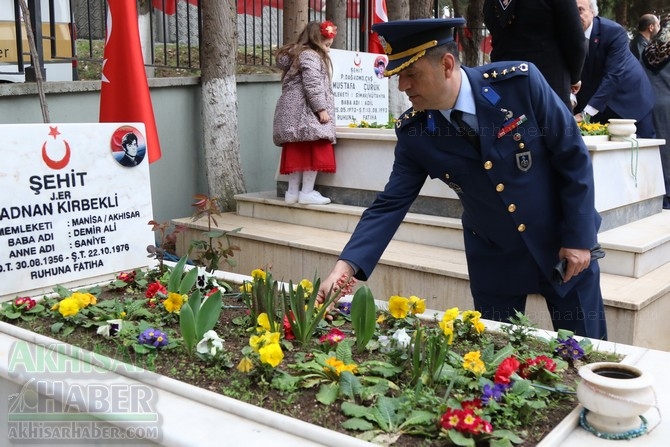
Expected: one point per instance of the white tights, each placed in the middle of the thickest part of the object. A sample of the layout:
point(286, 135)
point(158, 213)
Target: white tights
point(308, 179)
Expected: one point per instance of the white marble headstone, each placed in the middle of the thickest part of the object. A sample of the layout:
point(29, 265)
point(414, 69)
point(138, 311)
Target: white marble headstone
point(72, 208)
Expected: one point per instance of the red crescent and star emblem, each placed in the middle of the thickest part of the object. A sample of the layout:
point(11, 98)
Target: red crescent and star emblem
point(56, 164)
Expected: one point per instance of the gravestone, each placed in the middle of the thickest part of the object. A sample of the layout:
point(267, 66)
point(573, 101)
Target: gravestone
point(75, 205)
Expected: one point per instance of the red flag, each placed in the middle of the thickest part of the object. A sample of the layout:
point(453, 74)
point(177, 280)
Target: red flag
point(170, 6)
point(124, 94)
point(378, 15)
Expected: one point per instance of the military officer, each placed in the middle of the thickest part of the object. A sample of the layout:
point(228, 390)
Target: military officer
point(501, 138)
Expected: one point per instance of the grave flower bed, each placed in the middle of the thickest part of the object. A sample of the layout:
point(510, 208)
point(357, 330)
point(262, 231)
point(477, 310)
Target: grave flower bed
point(397, 374)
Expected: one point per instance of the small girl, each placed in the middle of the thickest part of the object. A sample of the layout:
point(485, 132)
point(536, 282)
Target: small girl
point(304, 121)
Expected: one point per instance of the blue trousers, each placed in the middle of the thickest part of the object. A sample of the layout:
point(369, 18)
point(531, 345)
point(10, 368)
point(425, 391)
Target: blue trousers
point(580, 311)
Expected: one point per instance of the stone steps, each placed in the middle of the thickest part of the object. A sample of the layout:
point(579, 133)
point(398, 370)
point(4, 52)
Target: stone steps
point(426, 259)
point(632, 250)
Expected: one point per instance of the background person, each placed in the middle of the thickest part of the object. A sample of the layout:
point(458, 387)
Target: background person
point(304, 119)
point(547, 33)
point(527, 196)
point(647, 28)
point(655, 59)
point(614, 84)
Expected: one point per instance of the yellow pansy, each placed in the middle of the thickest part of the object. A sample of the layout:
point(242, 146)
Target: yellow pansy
point(307, 287)
point(69, 307)
point(271, 354)
point(256, 342)
point(263, 322)
point(247, 287)
point(270, 338)
point(84, 299)
point(258, 274)
point(338, 366)
point(398, 306)
point(381, 318)
point(417, 305)
point(448, 330)
point(450, 314)
point(245, 365)
point(174, 302)
point(472, 362)
point(468, 315)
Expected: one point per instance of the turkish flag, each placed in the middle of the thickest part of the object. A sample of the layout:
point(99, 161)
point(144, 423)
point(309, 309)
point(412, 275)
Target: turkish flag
point(124, 94)
point(168, 7)
point(378, 15)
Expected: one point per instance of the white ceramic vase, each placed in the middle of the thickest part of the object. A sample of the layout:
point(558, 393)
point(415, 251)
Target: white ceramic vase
point(615, 395)
point(621, 128)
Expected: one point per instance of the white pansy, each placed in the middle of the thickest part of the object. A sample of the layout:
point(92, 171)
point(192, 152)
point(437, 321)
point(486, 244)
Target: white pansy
point(210, 343)
point(384, 344)
point(401, 338)
point(111, 329)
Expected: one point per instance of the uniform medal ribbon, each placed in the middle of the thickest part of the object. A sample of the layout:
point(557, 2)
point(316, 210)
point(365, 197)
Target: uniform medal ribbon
point(511, 124)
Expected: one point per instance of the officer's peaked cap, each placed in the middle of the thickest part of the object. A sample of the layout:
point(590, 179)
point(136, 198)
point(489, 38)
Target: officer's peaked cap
point(405, 41)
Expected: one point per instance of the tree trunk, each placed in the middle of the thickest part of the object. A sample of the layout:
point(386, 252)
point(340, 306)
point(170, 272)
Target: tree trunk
point(471, 36)
point(219, 102)
point(421, 9)
point(295, 19)
point(144, 24)
point(397, 9)
point(336, 12)
point(398, 101)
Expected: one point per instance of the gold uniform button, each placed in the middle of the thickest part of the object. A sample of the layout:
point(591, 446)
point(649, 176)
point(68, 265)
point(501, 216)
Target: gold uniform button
point(488, 165)
point(446, 176)
point(521, 145)
point(500, 187)
point(521, 228)
point(511, 208)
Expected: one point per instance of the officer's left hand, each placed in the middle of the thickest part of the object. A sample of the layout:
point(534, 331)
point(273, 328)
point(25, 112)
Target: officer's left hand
point(578, 261)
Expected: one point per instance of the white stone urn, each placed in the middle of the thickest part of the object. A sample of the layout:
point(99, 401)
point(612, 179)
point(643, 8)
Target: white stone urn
point(621, 128)
point(615, 395)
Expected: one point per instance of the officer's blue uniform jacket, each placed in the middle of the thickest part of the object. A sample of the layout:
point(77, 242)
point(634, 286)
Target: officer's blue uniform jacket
point(527, 194)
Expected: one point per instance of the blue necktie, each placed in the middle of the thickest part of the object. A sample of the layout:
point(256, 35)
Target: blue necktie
point(465, 130)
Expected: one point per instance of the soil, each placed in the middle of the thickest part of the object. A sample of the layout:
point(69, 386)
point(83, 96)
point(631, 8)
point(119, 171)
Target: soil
point(224, 378)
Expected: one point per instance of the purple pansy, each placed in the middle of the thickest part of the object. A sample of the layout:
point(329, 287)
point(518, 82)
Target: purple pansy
point(494, 392)
point(153, 337)
point(569, 349)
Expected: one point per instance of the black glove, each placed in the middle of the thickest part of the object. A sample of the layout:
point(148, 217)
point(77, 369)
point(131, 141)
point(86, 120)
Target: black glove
point(559, 271)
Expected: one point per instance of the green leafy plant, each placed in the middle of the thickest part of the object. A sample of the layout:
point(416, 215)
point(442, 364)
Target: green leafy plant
point(363, 316)
point(261, 295)
point(301, 308)
point(195, 317)
point(211, 251)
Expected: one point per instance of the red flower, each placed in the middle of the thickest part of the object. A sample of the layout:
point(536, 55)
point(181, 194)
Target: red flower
point(473, 404)
point(450, 419)
point(505, 370)
point(26, 302)
point(127, 277)
point(531, 367)
point(288, 331)
point(155, 288)
point(465, 421)
point(213, 291)
point(333, 337)
point(328, 29)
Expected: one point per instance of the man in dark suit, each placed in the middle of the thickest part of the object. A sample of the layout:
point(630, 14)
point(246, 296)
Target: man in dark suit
point(647, 28)
point(547, 33)
point(614, 84)
point(524, 177)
